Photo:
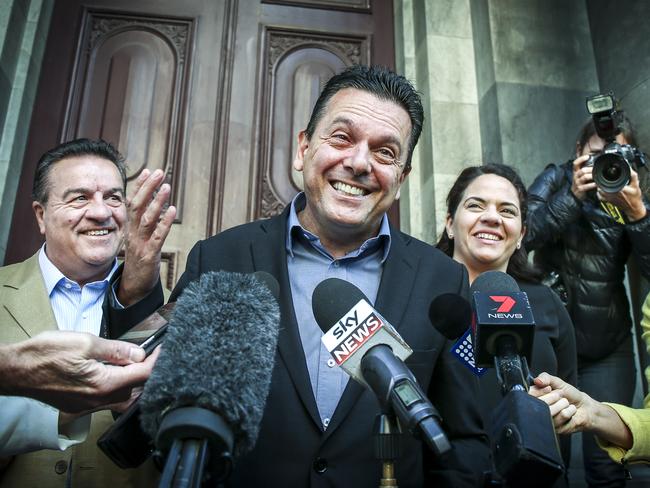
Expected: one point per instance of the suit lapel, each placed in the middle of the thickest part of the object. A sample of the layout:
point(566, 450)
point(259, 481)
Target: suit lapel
point(26, 298)
point(397, 280)
point(273, 259)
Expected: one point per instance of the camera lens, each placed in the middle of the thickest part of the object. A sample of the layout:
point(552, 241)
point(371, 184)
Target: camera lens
point(611, 171)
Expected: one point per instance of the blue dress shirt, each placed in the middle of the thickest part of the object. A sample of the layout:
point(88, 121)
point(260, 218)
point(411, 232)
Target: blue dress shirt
point(309, 263)
point(76, 309)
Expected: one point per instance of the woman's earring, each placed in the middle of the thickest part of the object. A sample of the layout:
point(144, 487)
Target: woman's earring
point(519, 245)
point(451, 236)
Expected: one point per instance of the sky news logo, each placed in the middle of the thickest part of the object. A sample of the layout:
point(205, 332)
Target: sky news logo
point(352, 331)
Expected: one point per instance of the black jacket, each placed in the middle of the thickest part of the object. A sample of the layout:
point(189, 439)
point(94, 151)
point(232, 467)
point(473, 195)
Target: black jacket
point(292, 449)
point(589, 251)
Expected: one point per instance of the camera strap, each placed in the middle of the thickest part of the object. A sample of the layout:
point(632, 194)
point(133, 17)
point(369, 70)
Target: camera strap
point(613, 211)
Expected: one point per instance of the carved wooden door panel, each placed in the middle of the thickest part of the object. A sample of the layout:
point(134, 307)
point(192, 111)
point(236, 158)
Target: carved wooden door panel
point(212, 92)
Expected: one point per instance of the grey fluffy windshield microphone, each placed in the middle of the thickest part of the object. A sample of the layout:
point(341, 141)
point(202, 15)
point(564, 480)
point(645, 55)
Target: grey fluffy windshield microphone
point(216, 360)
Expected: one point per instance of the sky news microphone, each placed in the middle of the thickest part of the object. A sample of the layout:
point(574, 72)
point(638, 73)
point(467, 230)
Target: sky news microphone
point(204, 400)
point(371, 351)
point(504, 328)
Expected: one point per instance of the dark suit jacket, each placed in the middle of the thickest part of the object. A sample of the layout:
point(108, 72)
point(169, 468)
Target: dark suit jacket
point(292, 449)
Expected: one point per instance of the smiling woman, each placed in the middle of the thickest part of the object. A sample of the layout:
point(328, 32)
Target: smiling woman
point(486, 211)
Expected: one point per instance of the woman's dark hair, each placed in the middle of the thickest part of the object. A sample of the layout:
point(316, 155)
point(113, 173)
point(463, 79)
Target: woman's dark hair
point(589, 130)
point(518, 265)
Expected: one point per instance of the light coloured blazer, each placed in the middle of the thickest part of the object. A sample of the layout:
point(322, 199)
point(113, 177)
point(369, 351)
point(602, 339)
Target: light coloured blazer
point(24, 312)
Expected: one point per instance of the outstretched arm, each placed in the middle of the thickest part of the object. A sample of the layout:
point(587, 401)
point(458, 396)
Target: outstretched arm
point(575, 411)
point(73, 371)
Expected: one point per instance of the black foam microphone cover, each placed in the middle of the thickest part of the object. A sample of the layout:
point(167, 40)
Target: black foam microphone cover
point(270, 282)
point(450, 314)
point(218, 355)
point(332, 298)
point(494, 281)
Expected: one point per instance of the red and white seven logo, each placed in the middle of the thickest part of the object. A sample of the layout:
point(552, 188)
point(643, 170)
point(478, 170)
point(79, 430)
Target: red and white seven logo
point(506, 303)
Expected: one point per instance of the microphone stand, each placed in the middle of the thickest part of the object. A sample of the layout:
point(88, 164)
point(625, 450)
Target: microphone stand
point(195, 438)
point(387, 435)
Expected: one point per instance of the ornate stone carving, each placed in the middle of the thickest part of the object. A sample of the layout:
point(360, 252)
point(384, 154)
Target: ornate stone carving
point(270, 204)
point(176, 33)
point(280, 42)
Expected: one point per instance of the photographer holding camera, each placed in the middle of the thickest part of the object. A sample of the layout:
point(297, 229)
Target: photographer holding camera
point(585, 218)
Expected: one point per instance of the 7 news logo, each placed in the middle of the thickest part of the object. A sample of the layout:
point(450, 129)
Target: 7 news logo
point(507, 303)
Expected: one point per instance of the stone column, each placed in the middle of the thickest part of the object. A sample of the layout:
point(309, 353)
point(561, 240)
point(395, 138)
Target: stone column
point(535, 67)
point(23, 32)
point(434, 46)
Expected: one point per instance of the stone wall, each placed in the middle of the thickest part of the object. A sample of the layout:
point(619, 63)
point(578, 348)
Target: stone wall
point(23, 32)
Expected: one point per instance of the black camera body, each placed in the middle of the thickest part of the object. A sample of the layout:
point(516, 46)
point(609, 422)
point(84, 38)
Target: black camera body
point(612, 167)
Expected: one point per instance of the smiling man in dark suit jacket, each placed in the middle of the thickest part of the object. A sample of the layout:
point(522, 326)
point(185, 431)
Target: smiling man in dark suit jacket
point(317, 425)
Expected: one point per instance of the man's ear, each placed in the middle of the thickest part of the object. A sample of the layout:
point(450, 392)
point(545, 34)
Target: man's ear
point(402, 177)
point(303, 144)
point(38, 212)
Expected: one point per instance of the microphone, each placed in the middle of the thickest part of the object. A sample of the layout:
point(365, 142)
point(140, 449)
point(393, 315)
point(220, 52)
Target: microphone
point(451, 315)
point(217, 354)
point(370, 350)
point(504, 328)
point(206, 395)
point(526, 450)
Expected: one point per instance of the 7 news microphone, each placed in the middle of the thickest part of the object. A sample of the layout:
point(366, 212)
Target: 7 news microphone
point(204, 400)
point(504, 329)
point(526, 451)
point(368, 348)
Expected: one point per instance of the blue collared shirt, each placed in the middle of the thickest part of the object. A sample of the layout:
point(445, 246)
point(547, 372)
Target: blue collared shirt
point(75, 308)
point(309, 263)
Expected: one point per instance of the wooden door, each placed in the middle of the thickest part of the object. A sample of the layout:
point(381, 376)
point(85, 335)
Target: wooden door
point(211, 91)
